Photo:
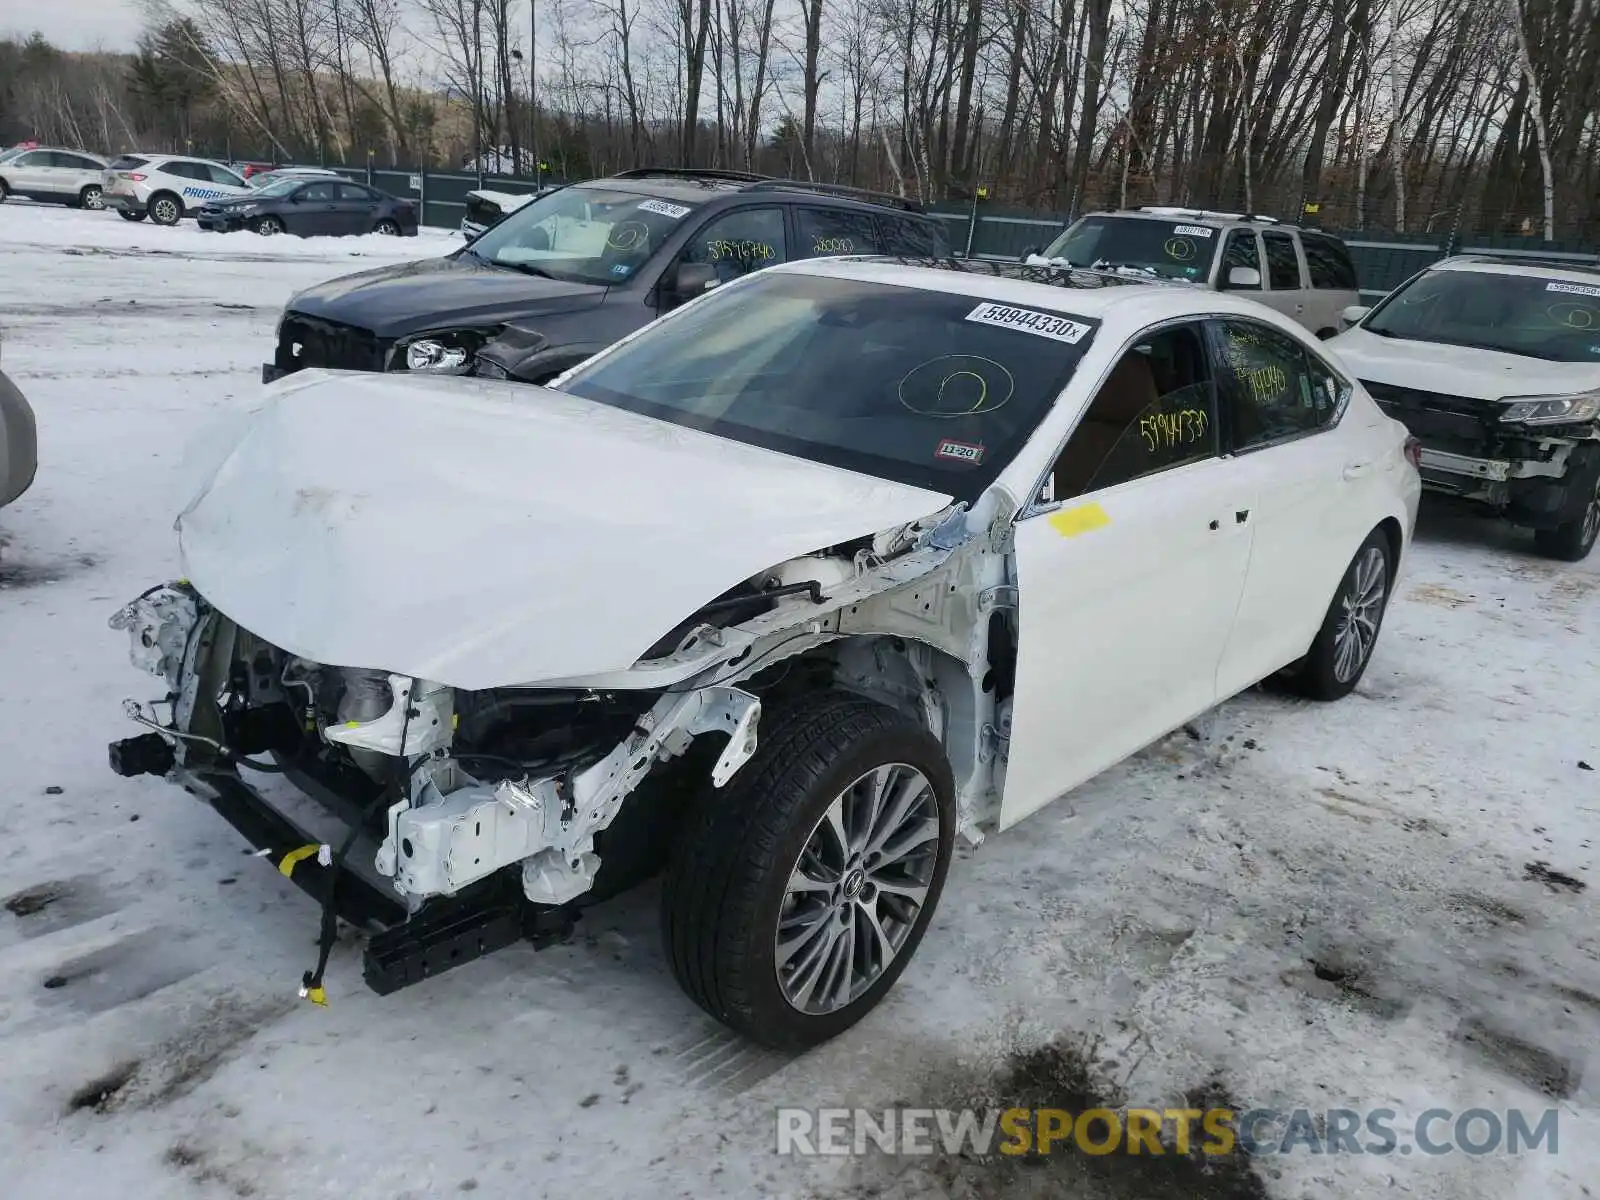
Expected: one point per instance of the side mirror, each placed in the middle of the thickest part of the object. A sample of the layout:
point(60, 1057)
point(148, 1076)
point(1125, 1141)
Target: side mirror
point(1353, 314)
point(1244, 277)
point(692, 279)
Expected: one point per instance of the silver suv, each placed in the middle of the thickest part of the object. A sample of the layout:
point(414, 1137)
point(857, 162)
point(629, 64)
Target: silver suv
point(1308, 275)
point(64, 176)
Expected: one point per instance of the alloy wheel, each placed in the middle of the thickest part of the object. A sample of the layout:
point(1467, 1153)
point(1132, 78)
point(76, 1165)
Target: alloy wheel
point(856, 890)
point(166, 212)
point(1591, 518)
point(93, 199)
point(1361, 607)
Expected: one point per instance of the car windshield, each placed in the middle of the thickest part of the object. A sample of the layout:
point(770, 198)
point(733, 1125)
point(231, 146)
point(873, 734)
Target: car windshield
point(931, 389)
point(282, 186)
point(1169, 249)
point(590, 234)
point(1535, 316)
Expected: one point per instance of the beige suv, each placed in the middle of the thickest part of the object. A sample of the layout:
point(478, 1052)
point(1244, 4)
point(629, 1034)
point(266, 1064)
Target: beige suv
point(1303, 273)
point(64, 176)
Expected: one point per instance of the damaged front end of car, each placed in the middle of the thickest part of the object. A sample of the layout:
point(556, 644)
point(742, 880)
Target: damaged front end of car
point(453, 822)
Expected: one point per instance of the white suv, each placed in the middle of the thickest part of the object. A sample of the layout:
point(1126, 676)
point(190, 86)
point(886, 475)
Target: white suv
point(1494, 364)
point(64, 176)
point(167, 188)
point(1305, 274)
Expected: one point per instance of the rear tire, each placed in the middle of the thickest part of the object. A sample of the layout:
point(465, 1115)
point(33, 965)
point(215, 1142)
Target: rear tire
point(1338, 658)
point(92, 198)
point(5, 192)
point(387, 228)
point(165, 209)
point(801, 847)
point(130, 216)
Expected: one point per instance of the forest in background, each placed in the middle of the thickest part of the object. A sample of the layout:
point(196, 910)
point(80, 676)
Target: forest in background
point(1404, 115)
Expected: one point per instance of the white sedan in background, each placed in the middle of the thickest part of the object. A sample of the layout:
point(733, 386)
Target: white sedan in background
point(782, 592)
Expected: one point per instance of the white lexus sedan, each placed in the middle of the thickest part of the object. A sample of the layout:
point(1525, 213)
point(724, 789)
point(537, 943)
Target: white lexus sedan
point(781, 594)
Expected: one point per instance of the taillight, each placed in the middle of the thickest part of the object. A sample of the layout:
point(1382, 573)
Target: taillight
point(135, 178)
point(1414, 452)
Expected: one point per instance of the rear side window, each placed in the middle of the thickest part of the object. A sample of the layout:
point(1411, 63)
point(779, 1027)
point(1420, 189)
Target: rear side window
point(1329, 263)
point(72, 162)
point(128, 162)
point(354, 191)
point(910, 238)
point(1283, 265)
point(829, 231)
point(184, 170)
point(1271, 389)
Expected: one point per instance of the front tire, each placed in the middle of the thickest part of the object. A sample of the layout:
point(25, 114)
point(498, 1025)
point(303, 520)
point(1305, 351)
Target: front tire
point(797, 895)
point(1572, 540)
point(1338, 658)
point(165, 209)
point(92, 198)
point(267, 226)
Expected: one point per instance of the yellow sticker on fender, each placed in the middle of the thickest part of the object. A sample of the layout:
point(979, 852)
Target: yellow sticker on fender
point(1070, 522)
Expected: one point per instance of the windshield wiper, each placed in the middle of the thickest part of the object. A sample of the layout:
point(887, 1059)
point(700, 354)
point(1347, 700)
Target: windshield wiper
point(527, 269)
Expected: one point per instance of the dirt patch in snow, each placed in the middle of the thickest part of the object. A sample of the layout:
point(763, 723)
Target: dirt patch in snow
point(1533, 1066)
point(1556, 881)
point(1061, 1075)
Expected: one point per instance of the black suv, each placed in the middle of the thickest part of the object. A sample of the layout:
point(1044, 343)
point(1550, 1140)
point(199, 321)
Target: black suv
point(576, 270)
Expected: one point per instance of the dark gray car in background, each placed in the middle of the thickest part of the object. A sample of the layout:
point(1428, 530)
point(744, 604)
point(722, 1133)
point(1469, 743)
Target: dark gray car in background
point(574, 271)
point(311, 207)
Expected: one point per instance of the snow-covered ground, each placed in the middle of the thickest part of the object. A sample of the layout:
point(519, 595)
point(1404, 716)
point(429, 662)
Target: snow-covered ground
point(1303, 905)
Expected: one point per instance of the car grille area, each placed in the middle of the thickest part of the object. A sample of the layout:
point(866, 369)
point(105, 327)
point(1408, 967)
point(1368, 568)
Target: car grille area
point(305, 341)
point(1455, 424)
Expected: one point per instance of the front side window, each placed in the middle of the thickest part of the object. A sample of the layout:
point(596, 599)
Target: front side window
point(1156, 410)
point(1535, 316)
point(1283, 264)
point(585, 234)
point(1241, 251)
point(318, 193)
point(924, 388)
point(1270, 387)
point(1168, 249)
point(825, 232)
point(740, 242)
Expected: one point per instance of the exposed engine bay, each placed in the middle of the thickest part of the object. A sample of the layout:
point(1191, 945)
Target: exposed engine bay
point(572, 791)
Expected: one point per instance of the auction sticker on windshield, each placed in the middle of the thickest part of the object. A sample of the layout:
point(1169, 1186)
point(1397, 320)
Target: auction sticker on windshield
point(1573, 289)
point(1199, 231)
point(676, 211)
point(1029, 320)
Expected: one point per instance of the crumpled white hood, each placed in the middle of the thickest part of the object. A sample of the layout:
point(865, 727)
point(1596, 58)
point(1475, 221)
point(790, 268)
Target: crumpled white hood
point(488, 534)
point(1458, 370)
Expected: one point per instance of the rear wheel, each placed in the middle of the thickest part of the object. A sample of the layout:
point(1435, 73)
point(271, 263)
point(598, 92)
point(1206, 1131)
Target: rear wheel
point(796, 895)
point(92, 198)
point(165, 209)
point(126, 215)
point(267, 226)
point(5, 192)
point(387, 228)
point(1339, 656)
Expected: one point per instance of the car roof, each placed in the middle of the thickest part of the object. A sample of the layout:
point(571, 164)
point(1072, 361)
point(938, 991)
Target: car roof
point(701, 186)
point(1095, 294)
point(1210, 219)
point(1534, 267)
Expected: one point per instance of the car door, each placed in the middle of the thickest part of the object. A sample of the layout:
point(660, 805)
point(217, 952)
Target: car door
point(29, 174)
point(1282, 419)
point(733, 244)
point(358, 208)
point(1285, 282)
point(1333, 282)
point(313, 210)
point(1130, 565)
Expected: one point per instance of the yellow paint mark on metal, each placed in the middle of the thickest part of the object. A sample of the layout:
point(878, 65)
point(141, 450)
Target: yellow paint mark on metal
point(294, 858)
point(1082, 518)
